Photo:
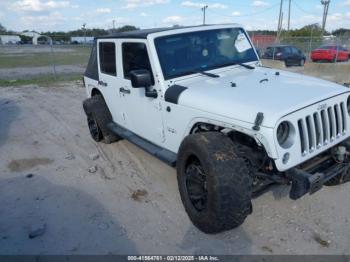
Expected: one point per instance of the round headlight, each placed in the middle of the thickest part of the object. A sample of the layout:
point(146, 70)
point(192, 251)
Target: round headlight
point(285, 134)
point(348, 105)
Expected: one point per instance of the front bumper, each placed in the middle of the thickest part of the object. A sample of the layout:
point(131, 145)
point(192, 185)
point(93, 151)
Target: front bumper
point(304, 182)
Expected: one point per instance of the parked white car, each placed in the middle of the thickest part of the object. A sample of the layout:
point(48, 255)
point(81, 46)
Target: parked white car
point(199, 99)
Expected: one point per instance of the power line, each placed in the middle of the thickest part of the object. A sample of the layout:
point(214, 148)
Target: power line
point(244, 15)
point(303, 10)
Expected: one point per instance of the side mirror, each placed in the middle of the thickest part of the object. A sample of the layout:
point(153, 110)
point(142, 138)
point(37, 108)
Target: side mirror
point(140, 78)
point(143, 78)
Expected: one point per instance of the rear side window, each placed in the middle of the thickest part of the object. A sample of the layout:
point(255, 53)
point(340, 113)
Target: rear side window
point(287, 50)
point(108, 58)
point(269, 51)
point(296, 51)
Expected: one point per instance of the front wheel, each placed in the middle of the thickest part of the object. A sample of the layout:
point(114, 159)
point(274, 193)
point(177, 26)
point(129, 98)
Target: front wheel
point(214, 183)
point(339, 179)
point(345, 176)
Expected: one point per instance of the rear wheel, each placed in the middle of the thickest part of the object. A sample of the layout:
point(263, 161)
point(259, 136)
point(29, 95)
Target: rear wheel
point(214, 183)
point(98, 117)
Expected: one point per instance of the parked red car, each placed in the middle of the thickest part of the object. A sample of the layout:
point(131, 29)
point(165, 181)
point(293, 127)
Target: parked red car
point(330, 53)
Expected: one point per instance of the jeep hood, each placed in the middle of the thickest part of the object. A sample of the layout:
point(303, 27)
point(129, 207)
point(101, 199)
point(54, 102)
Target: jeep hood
point(240, 93)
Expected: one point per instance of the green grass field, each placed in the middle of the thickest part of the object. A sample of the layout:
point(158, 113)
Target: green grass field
point(44, 81)
point(19, 56)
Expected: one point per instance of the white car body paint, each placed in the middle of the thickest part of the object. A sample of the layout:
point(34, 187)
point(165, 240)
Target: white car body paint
point(280, 97)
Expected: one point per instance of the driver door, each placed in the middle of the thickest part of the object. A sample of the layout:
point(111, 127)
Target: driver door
point(143, 114)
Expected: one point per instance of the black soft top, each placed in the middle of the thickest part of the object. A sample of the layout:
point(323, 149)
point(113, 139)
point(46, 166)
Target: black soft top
point(143, 33)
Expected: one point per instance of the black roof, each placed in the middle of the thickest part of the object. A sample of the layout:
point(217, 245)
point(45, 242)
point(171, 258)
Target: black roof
point(143, 33)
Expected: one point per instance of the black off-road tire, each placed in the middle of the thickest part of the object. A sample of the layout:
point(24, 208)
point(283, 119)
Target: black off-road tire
point(342, 178)
point(339, 179)
point(228, 183)
point(97, 112)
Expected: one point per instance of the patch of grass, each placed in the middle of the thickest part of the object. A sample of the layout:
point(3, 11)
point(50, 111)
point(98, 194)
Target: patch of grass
point(45, 81)
point(34, 59)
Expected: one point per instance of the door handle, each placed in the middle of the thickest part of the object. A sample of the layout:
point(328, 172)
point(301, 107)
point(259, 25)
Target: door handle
point(124, 90)
point(101, 83)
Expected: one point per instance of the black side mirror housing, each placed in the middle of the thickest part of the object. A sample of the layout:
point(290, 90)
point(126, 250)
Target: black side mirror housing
point(143, 78)
point(140, 78)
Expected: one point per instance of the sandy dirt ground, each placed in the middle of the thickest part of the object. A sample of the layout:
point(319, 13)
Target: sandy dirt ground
point(131, 204)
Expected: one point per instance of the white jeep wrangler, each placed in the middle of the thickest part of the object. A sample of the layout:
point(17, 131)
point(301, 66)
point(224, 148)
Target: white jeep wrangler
point(199, 99)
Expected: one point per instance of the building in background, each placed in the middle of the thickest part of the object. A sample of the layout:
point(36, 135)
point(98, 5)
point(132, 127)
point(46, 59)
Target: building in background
point(262, 41)
point(30, 34)
point(9, 39)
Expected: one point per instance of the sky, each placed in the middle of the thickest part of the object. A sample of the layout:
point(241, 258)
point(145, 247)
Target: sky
point(65, 15)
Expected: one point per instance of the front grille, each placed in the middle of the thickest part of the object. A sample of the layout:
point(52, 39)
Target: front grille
point(321, 128)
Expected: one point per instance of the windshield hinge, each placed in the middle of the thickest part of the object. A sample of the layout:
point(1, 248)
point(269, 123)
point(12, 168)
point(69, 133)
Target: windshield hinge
point(258, 121)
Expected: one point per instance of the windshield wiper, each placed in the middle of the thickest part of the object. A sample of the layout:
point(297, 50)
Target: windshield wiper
point(205, 73)
point(244, 65)
point(240, 64)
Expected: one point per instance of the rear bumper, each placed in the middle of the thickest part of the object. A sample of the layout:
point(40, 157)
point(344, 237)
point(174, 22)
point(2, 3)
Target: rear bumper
point(304, 182)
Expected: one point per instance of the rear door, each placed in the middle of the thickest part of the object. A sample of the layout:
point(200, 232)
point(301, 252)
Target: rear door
point(109, 77)
point(288, 56)
point(296, 55)
point(343, 53)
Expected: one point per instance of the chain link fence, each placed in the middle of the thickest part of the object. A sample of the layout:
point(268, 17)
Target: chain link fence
point(20, 62)
point(305, 44)
point(67, 61)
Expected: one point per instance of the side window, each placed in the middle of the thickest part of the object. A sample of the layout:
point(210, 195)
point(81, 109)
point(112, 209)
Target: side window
point(287, 50)
point(108, 58)
point(295, 51)
point(269, 51)
point(135, 57)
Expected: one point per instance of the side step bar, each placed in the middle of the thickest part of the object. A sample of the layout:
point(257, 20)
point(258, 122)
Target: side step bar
point(159, 152)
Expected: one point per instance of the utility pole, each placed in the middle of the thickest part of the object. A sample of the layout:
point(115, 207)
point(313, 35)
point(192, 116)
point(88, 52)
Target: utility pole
point(280, 19)
point(113, 24)
point(84, 29)
point(325, 3)
point(290, 3)
point(204, 8)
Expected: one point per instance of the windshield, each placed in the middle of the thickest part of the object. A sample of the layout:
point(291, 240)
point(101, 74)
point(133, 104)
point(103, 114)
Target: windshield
point(184, 54)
